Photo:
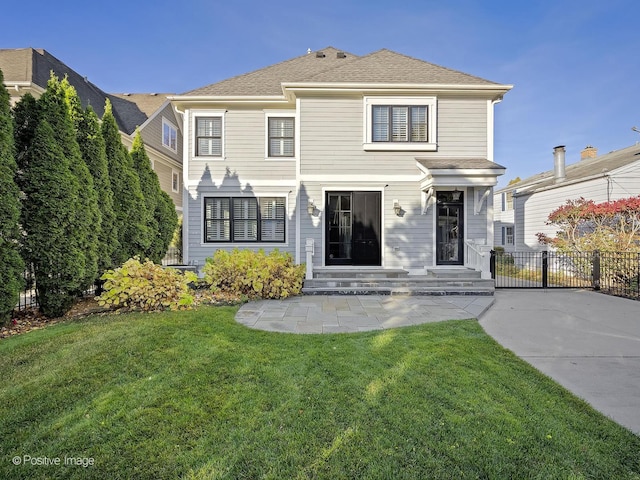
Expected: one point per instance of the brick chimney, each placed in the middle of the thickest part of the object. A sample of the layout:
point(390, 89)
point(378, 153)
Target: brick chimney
point(588, 152)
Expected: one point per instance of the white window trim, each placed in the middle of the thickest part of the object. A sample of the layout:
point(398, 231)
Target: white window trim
point(176, 174)
point(175, 129)
point(254, 245)
point(208, 114)
point(280, 114)
point(430, 102)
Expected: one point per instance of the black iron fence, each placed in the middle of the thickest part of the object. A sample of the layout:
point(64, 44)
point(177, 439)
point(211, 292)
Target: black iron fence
point(616, 273)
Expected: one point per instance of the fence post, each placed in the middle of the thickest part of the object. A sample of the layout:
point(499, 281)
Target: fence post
point(492, 264)
point(545, 269)
point(596, 270)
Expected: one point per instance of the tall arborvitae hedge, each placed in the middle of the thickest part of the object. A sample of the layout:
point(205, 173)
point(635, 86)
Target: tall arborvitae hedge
point(48, 214)
point(11, 265)
point(55, 108)
point(26, 115)
point(128, 201)
point(163, 219)
point(95, 155)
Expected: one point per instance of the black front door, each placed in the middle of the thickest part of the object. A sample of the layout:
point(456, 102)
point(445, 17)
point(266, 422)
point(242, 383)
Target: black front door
point(353, 228)
point(450, 228)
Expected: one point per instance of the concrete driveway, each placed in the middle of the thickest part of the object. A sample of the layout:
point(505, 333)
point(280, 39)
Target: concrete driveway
point(587, 341)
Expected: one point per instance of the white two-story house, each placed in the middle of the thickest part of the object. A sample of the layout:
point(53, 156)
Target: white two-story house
point(380, 160)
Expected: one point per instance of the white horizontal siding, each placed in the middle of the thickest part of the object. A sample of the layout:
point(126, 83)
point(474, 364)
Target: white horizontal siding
point(332, 136)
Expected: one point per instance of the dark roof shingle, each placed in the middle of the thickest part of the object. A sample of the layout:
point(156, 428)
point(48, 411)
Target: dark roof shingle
point(336, 66)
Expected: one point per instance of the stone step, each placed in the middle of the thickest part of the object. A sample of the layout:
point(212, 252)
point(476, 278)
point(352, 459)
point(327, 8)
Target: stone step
point(436, 291)
point(443, 272)
point(354, 272)
point(406, 282)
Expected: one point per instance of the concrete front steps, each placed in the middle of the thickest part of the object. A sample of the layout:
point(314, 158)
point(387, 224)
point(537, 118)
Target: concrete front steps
point(381, 281)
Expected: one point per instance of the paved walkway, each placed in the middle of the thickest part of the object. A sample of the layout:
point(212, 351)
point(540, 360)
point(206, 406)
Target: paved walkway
point(357, 313)
point(586, 341)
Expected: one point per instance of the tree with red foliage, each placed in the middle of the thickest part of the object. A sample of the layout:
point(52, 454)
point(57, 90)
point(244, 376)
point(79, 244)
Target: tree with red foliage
point(587, 226)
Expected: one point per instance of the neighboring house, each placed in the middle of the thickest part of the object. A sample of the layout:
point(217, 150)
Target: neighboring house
point(522, 208)
point(28, 70)
point(381, 160)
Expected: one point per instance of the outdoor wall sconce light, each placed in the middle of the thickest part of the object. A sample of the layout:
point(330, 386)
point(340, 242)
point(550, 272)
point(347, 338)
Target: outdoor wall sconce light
point(311, 207)
point(396, 207)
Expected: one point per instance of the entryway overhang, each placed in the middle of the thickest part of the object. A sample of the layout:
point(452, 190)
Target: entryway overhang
point(458, 173)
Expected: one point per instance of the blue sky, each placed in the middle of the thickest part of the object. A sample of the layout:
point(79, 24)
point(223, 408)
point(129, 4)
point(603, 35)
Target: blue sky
point(575, 65)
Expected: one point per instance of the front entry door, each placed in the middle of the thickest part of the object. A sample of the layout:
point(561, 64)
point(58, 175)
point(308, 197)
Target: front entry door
point(450, 229)
point(353, 233)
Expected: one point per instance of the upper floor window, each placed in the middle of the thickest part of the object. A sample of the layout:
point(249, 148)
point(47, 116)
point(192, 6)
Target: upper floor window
point(393, 123)
point(400, 123)
point(169, 135)
point(507, 200)
point(281, 136)
point(209, 136)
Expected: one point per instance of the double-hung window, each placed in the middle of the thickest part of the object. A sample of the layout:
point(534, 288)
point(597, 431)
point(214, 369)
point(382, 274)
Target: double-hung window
point(507, 235)
point(244, 219)
point(400, 123)
point(169, 135)
point(281, 136)
point(209, 136)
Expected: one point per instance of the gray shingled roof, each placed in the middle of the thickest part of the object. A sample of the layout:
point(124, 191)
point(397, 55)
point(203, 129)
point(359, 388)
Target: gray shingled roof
point(35, 65)
point(579, 170)
point(458, 163)
point(382, 67)
point(386, 66)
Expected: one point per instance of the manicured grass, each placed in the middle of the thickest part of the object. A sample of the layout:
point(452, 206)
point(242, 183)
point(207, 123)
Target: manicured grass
point(195, 395)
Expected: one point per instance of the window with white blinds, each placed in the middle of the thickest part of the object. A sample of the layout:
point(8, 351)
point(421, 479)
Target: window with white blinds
point(209, 136)
point(399, 123)
point(217, 220)
point(281, 137)
point(272, 216)
point(238, 219)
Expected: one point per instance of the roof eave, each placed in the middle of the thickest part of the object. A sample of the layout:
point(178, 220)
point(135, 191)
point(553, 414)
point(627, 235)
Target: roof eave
point(494, 90)
point(192, 100)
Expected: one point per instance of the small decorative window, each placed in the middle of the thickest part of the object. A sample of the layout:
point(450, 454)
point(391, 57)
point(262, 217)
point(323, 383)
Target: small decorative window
point(239, 219)
point(209, 136)
point(281, 137)
point(169, 135)
point(175, 181)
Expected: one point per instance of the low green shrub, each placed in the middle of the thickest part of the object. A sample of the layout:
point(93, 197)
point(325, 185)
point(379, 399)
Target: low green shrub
point(254, 274)
point(146, 287)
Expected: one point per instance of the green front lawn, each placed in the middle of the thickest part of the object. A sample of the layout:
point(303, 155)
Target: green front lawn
point(195, 395)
